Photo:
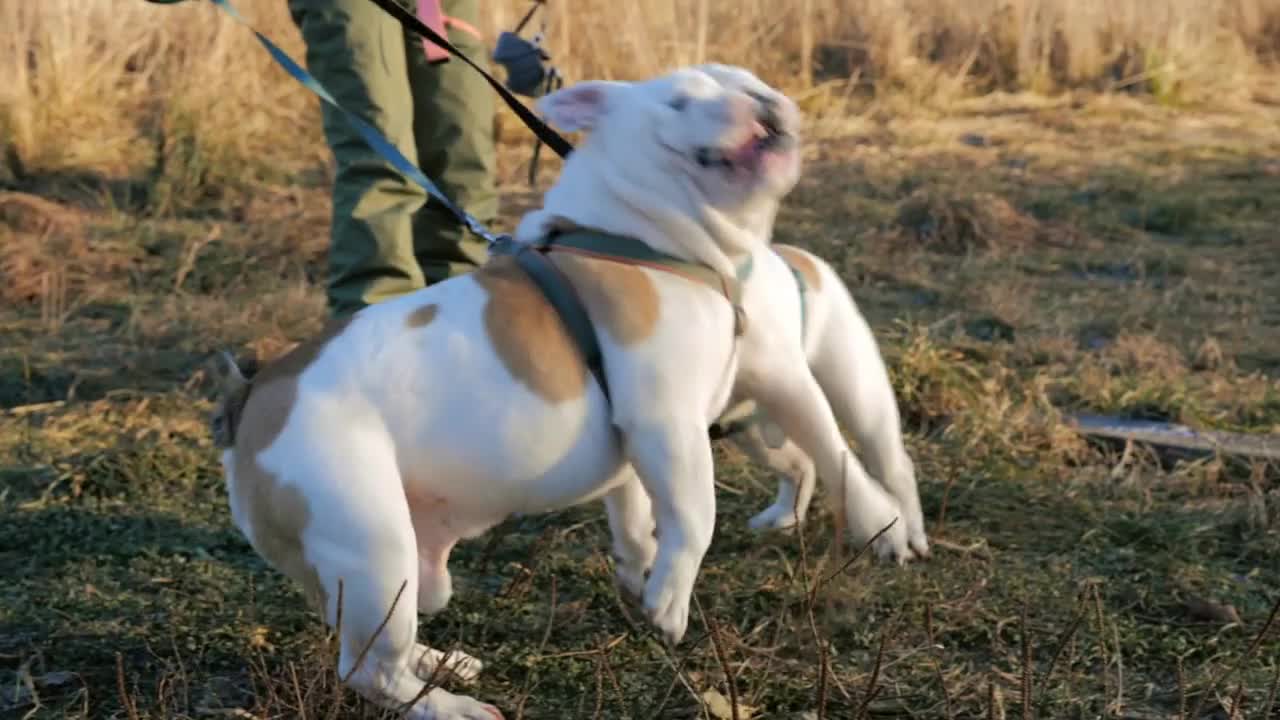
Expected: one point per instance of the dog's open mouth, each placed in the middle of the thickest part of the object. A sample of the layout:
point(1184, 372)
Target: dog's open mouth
point(765, 137)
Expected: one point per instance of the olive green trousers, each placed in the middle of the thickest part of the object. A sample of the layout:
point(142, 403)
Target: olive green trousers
point(388, 237)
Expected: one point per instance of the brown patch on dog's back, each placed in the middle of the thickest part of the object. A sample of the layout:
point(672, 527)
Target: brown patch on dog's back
point(422, 316)
point(619, 296)
point(528, 334)
point(277, 514)
point(802, 262)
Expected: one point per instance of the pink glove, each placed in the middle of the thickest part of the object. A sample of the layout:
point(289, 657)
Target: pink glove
point(433, 17)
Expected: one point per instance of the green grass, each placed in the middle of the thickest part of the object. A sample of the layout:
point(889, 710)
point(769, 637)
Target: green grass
point(1017, 258)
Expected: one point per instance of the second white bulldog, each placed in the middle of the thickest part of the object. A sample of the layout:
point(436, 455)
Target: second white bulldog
point(357, 461)
point(846, 360)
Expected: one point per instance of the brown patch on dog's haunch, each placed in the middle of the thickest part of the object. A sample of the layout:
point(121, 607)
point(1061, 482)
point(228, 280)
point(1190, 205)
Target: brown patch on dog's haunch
point(528, 334)
point(620, 297)
point(277, 514)
point(802, 262)
point(422, 316)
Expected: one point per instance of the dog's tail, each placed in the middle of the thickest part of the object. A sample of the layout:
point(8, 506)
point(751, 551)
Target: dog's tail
point(233, 392)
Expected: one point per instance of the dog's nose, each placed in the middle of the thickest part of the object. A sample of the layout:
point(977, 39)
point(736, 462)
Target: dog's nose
point(766, 112)
point(769, 117)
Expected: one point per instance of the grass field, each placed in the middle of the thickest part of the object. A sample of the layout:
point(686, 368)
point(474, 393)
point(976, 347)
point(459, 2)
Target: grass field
point(1023, 251)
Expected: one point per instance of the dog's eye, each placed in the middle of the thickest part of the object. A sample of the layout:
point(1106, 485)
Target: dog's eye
point(678, 102)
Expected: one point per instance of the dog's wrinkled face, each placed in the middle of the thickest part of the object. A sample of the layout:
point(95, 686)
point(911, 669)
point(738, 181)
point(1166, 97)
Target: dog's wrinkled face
point(734, 138)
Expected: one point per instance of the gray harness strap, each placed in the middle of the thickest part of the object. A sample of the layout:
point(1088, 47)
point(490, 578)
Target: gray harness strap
point(532, 258)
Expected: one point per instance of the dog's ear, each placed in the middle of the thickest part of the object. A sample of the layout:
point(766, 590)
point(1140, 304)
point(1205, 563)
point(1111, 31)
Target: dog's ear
point(579, 106)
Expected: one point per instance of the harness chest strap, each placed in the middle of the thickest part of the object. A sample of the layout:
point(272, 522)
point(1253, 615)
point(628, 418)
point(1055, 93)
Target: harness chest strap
point(614, 248)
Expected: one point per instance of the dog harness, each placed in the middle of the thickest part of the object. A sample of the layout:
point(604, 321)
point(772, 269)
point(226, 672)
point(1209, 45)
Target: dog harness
point(532, 258)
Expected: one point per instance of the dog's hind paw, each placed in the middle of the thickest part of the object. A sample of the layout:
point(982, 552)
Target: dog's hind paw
point(774, 517)
point(441, 705)
point(919, 544)
point(892, 545)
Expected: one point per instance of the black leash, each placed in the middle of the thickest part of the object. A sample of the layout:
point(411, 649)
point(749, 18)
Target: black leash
point(544, 132)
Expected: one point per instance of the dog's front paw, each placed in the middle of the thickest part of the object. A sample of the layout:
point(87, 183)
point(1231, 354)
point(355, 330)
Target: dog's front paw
point(883, 519)
point(666, 601)
point(893, 545)
point(774, 517)
point(919, 544)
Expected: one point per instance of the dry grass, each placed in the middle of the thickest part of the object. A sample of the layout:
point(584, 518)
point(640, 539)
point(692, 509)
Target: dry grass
point(1139, 281)
point(163, 193)
point(185, 94)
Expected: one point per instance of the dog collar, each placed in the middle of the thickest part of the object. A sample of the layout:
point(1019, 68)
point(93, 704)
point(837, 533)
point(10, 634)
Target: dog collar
point(620, 248)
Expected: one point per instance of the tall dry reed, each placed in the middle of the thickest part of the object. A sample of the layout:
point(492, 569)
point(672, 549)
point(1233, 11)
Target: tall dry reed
point(119, 85)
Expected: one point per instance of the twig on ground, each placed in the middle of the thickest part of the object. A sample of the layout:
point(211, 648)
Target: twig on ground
point(873, 682)
point(713, 628)
point(946, 694)
point(1026, 663)
point(130, 707)
point(1272, 694)
point(1067, 636)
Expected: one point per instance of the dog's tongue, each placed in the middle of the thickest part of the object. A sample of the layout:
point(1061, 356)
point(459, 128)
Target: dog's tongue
point(748, 153)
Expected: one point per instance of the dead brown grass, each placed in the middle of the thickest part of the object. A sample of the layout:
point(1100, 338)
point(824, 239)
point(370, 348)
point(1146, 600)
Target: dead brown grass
point(185, 93)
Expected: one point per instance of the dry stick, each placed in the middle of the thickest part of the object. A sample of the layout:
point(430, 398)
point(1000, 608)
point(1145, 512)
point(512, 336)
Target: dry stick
point(1026, 664)
point(928, 624)
point(182, 672)
point(772, 656)
point(1271, 695)
point(381, 626)
point(678, 677)
point(1115, 634)
point(337, 687)
point(599, 686)
point(1102, 641)
point(861, 551)
point(1067, 637)
point(613, 678)
point(946, 694)
point(941, 522)
point(824, 668)
point(1257, 640)
point(546, 636)
point(273, 698)
point(714, 629)
point(872, 684)
point(297, 691)
point(1237, 700)
point(991, 700)
point(1182, 692)
point(129, 706)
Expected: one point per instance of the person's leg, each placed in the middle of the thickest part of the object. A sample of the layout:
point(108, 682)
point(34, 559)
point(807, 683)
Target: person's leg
point(454, 123)
point(357, 51)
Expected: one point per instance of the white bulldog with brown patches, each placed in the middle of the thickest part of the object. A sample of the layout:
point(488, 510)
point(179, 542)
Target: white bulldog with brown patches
point(359, 459)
